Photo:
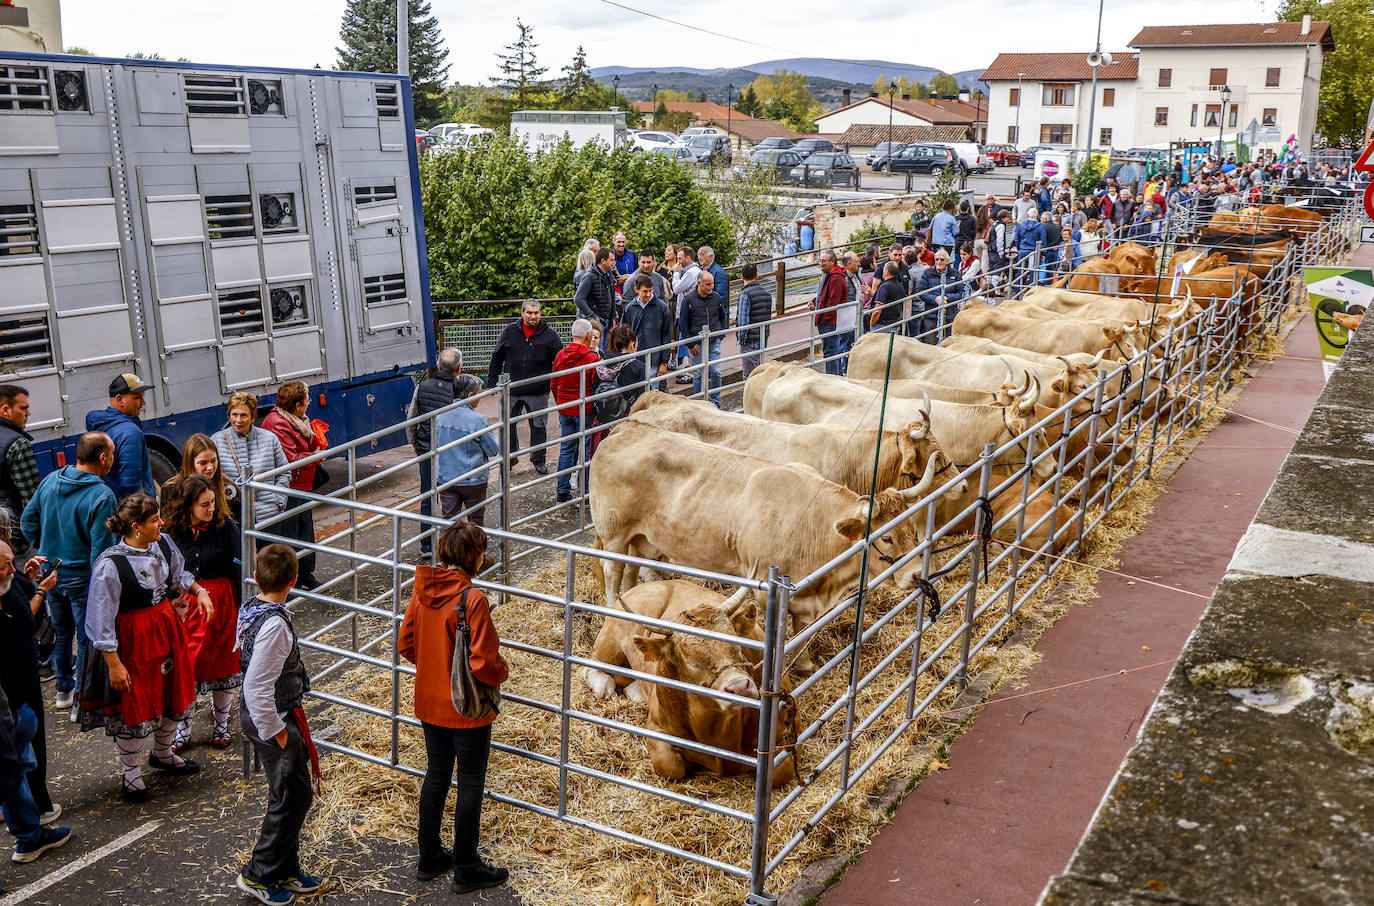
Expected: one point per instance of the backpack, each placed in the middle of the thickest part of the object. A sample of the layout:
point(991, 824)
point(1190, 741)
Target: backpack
point(609, 408)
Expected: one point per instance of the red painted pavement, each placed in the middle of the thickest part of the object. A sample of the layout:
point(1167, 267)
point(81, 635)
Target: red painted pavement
point(1026, 779)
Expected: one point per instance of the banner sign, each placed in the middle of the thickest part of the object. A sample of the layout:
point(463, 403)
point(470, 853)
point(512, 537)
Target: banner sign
point(1339, 297)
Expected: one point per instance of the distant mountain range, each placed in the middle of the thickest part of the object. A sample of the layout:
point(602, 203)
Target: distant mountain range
point(826, 78)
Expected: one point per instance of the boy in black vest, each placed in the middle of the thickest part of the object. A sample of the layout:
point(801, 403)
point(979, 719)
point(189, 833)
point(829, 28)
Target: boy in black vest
point(274, 683)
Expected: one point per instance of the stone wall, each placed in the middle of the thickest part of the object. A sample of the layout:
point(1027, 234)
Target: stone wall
point(836, 221)
point(1252, 780)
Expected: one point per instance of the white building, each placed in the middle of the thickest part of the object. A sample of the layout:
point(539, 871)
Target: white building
point(1044, 99)
point(31, 26)
point(1272, 69)
point(871, 111)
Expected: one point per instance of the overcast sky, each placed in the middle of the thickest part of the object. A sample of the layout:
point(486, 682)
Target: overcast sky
point(966, 35)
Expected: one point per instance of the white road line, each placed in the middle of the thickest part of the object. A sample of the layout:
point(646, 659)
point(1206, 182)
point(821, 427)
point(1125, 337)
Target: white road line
point(71, 868)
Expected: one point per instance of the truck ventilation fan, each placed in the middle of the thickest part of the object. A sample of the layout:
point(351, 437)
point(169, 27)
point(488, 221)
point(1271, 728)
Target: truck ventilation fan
point(288, 306)
point(71, 90)
point(264, 97)
point(278, 213)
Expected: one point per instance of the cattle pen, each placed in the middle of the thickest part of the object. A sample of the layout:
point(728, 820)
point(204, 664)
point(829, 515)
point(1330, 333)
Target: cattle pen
point(888, 660)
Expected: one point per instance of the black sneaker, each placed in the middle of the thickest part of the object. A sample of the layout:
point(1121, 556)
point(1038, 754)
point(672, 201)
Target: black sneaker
point(425, 872)
point(541, 468)
point(564, 498)
point(478, 877)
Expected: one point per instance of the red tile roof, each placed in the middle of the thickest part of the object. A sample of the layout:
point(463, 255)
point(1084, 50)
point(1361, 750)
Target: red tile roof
point(696, 108)
point(748, 128)
point(863, 134)
point(936, 111)
point(1234, 34)
point(1072, 67)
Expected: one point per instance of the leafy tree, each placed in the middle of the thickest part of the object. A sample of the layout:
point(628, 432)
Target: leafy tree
point(798, 109)
point(945, 186)
point(368, 36)
point(521, 84)
point(944, 84)
point(747, 201)
point(577, 82)
point(1347, 77)
point(673, 94)
point(145, 56)
point(905, 87)
point(501, 223)
point(1085, 177)
point(748, 102)
point(78, 52)
point(670, 121)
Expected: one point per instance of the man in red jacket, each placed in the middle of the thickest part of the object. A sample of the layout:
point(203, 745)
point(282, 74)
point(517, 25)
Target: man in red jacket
point(576, 417)
point(833, 293)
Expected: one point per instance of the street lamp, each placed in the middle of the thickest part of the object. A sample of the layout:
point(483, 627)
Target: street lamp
point(729, 91)
point(891, 101)
point(1019, 101)
point(981, 96)
point(1221, 124)
point(653, 102)
point(1095, 59)
point(615, 91)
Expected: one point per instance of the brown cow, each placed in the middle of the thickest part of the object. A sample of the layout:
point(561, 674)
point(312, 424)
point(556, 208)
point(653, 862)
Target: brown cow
point(1096, 276)
point(712, 663)
point(1037, 506)
point(1132, 258)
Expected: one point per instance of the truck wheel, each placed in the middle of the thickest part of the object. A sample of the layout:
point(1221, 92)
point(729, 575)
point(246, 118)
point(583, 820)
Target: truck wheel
point(162, 469)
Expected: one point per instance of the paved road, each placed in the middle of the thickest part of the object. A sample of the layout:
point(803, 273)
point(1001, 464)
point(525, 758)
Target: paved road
point(1002, 182)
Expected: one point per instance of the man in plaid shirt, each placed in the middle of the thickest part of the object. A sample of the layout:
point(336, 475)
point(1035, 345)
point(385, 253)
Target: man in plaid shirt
point(18, 469)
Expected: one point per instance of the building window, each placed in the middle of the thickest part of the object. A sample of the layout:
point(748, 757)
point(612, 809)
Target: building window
point(1212, 118)
point(1058, 95)
point(1271, 77)
point(1108, 97)
point(1192, 120)
point(1104, 137)
point(1218, 78)
point(1012, 137)
point(1014, 97)
point(1161, 116)
point(1235, 115)
point(1166, 78)
point(1056, 134)
point(1270, 117)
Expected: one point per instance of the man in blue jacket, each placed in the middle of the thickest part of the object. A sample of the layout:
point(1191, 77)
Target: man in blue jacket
point(937, 294)
point(943, 227)
point(132, 470)
point(65, 520)
point(1030, 236)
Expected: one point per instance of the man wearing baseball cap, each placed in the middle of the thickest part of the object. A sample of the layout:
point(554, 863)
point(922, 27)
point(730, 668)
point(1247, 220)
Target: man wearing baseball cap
point(132, 470)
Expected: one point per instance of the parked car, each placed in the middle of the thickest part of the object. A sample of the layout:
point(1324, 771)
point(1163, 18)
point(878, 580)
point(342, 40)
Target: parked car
point(779, 163)
point(877, 158)
point(931, 159)
point(710, 148)
point(699, 130)
point(969, 156)
point(647, 140)
point(808, 146)
point(774, 144)
point(674, 152)
point(445, 131)
point(461, 141)
point(1028, 155)
point(425, 140)
point(1003, 155)
point(827, 168)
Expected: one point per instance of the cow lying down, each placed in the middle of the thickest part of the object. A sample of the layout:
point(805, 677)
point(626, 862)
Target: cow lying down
point(718, 665)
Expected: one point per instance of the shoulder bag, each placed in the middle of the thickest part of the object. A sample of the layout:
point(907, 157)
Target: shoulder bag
point(472, 698)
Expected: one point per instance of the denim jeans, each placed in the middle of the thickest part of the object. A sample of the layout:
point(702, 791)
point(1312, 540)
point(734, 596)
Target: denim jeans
point(20, 811)
point(426, 502)
point(67, 605)
point(712, 369)
point(844, 341)
point(568, 425)
point(466, 749)
point(830, 348)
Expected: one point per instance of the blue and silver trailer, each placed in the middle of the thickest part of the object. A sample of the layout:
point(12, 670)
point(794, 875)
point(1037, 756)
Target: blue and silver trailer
point(213, 229)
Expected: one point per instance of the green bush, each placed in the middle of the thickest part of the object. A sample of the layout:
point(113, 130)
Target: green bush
point(504, 224)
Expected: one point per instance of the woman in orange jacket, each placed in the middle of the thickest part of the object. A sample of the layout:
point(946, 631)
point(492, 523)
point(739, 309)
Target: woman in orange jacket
point(427, 639)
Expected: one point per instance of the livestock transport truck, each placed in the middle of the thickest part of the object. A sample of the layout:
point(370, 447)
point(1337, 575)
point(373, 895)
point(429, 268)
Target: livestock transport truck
point(213, 229)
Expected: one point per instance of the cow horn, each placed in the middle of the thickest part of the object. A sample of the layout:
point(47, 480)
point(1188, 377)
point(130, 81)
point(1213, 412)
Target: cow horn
point(1026, 402)
point(1021, 391)
point(919, 434)
point(925, 405)
point(919, 490)
point(1068, 366)
point(735, 601)
point(1011, 375)
point(1097, 359)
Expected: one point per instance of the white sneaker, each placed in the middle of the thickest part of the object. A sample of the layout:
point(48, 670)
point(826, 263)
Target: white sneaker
point(64, 700)
point(75, 716)
point(49, 817)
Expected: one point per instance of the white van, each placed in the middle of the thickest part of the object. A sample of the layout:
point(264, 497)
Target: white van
point(971, 156)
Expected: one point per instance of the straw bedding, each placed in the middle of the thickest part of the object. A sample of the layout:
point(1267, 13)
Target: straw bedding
point(557, 863)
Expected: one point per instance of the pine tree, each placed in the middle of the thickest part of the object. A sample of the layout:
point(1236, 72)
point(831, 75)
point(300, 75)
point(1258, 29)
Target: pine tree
point(368, 34)
point(748, 102)
point(577, 80)
point(521, 78)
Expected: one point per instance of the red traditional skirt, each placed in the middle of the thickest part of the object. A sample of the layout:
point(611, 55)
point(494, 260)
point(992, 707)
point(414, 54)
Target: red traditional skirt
point(152, 647)
point(213, 648)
